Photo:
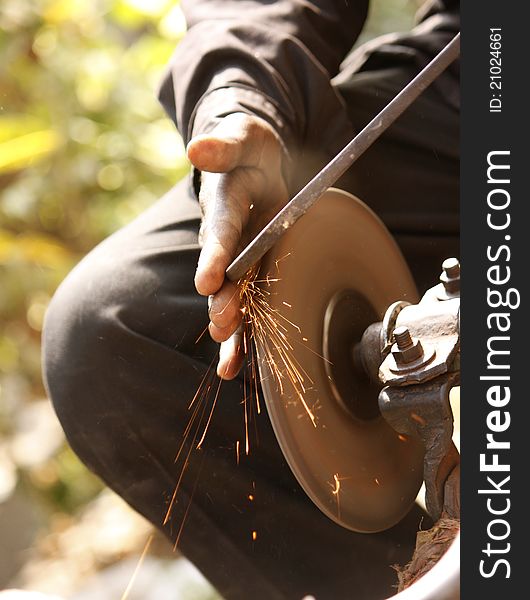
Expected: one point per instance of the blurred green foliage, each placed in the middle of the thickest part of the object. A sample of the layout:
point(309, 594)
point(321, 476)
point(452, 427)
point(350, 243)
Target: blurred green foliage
point(84, 147)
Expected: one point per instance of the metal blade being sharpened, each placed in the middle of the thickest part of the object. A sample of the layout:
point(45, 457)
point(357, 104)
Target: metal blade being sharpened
point(312, 191)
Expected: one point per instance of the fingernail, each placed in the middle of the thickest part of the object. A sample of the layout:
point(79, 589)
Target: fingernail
point(210, 302)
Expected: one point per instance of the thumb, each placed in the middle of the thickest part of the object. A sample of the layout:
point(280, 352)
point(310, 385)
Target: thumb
point(214, 154)
point(239, 140)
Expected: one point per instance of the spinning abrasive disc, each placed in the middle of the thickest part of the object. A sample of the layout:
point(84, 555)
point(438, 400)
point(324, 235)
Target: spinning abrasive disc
point(350, 462)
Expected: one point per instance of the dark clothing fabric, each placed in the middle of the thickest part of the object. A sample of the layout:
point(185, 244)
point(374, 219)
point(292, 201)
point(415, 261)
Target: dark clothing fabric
point(121, 362)
point(276, 59)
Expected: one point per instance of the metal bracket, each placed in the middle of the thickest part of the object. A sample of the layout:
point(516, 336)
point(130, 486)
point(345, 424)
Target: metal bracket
point(419, 372)
point(424, 411)
point(436, 324)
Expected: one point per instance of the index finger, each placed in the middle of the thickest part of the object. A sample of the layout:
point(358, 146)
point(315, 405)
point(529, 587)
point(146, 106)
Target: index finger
point(226, 201)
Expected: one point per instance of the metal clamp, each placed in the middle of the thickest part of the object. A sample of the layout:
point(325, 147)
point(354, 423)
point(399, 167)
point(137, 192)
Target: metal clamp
point(419, 372)
point(424, 411)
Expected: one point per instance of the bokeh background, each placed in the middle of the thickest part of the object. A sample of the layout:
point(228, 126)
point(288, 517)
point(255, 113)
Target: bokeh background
point(84, 148)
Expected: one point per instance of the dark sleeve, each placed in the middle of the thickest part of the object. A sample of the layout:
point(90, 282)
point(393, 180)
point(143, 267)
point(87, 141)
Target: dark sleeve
point(270, 58)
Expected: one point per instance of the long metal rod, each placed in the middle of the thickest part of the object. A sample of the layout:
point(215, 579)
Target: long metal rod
point(312, 191)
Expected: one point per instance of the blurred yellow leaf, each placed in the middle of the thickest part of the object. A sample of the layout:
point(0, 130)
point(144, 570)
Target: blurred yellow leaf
point(161, 147)
point(147, 8)
point(59, 11)
point(45, 42)
point(6, 244)
point(12, 126)
point(22, 151)
point(149, 53)
point(9, 355)
point(34, 249)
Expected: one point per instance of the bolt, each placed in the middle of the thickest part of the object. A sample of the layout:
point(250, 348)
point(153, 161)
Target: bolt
point(406, 349)
point(450, 276)
point(402, 337)
point(451, 266)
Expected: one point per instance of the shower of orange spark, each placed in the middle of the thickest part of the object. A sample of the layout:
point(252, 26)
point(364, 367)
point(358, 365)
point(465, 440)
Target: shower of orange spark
point(268, 329)
point(262, 326)
point(188, 455)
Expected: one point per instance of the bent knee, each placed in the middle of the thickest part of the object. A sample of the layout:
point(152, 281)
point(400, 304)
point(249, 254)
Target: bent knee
point(115, 305)
point(77, 318)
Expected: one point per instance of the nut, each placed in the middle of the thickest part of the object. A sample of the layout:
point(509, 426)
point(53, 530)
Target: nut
point(406, 349)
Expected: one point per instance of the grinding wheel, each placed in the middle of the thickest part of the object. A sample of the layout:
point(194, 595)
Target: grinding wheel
point(350, 462)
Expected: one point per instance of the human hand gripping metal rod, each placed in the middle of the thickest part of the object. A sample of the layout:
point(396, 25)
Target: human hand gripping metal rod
point(313, 190)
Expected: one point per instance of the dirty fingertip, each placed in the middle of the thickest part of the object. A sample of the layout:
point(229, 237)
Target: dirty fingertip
point(230, 359)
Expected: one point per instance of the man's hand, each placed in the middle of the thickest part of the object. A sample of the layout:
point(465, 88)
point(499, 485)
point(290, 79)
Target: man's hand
point(242, 188)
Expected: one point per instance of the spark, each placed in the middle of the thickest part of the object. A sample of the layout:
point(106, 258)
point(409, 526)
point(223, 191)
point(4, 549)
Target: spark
point(335, 490)
point(213, 408)
point(203, 332)
point(279, 260)
point(211, 413)
point(269, 330)
point(247, 443)
point(266, 329)
point(200, 389)
point(186, 462)
point(308, 410)
point(254, 535)
point(185, 517)
point(245, 411)
point(402, 438)
point(137, 568)
point(232, 297)
point(418, 419)
point(377, 481)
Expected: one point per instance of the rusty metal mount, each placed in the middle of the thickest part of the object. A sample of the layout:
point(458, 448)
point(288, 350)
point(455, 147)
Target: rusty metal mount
point(436, 324)
point(415, 401)
point(389, 324)
point(424, 411)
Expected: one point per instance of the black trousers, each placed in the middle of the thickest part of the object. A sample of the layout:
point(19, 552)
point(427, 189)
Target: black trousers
point(121, 365)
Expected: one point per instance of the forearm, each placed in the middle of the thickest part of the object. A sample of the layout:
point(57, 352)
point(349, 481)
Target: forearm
point(270, 59)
